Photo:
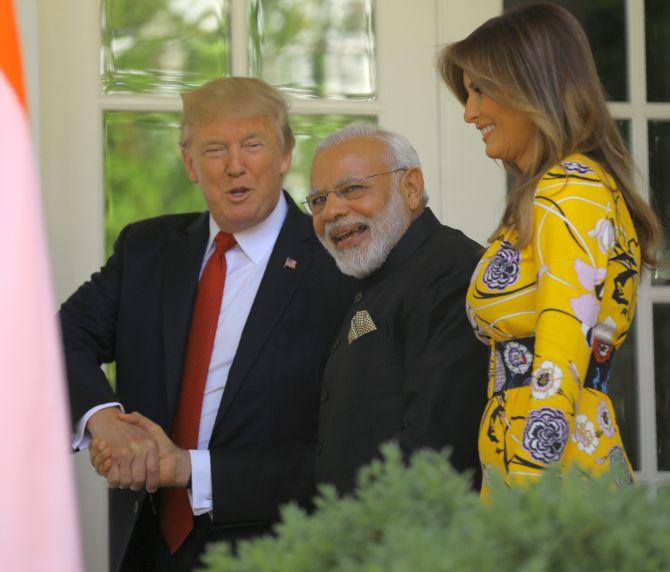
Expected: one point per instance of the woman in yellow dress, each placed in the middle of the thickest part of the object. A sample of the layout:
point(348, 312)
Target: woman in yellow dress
point(554, 294)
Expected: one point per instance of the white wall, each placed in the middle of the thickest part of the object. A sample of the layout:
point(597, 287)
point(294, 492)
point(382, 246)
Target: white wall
point(473, 186)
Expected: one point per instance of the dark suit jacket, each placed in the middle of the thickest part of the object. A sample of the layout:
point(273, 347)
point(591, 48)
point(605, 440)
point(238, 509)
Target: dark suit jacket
point(137, 310)
point(420, 377)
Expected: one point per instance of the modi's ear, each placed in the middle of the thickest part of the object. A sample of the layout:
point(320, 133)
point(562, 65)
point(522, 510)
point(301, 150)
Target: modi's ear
point(187, 159)
point(412, 188)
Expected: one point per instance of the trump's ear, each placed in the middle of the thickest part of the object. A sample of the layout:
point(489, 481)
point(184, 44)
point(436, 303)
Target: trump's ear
point(412, 188)
point(188, 164)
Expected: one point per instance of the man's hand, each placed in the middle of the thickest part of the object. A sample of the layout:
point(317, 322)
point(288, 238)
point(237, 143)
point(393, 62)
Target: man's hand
point(174, 463)
point(100, 454)
point(131, 460)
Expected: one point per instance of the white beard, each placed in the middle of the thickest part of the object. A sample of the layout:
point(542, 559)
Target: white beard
point(386, 228)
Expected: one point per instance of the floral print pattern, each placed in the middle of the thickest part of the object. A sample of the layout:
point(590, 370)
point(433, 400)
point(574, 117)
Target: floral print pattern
point(619, 468)
point(546, 380)
point(605, 420)
point(584, 434)
point(503, 269)
point(546, 434)
point(577, 167)
point(604, 232)
point(517, 357)
point(499, 374)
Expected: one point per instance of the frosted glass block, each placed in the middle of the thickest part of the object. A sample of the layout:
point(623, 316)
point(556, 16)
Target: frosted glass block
point(657, 38)
point(163, 46)
point(659, 180)
point(309, 131)
point(143, 172)
point(662, 374)
point(623, 390)
point(605, 24)
point(314, 48)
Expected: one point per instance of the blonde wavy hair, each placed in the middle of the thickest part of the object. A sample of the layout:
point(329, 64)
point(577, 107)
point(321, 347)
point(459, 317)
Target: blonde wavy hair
point(537, 59)
point(241, 97)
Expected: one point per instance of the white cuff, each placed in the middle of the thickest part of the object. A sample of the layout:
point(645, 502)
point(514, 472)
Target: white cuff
point(200, 494)
point(81, 438)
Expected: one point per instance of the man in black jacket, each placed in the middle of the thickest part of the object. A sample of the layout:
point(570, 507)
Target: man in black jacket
point(220, 324)
point(406, 365)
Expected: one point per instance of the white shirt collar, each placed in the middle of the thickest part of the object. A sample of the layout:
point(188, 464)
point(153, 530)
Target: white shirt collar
point(258, 240)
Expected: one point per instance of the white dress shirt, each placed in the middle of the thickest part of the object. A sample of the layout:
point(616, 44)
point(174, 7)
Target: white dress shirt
point(245, 267)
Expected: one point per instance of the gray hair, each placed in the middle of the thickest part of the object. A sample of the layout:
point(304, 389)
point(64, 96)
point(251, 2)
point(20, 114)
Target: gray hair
point(400, 153)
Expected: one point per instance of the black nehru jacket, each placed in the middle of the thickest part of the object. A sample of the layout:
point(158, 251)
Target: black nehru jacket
point(419, 378)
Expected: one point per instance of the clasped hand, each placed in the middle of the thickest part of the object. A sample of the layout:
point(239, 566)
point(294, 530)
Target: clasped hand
point(133, 452)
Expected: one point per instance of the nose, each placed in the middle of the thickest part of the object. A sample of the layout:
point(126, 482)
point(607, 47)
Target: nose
point(334, 208)
point(471, 110)
point(235, 165)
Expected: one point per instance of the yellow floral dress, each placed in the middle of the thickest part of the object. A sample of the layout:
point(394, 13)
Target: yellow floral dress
point(554, 314)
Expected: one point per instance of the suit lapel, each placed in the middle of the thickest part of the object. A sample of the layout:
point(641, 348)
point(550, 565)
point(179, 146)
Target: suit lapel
point(183, 258)
point(280, 281)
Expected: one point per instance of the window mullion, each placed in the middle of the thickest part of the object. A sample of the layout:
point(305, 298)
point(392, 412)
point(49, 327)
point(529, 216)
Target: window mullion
point(140, 102)
point(239, 40)
point(637, 78)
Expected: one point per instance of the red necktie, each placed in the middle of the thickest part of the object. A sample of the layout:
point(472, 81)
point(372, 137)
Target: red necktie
point(176, 516)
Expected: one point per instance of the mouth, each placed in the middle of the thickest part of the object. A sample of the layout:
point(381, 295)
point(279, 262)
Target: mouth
point(238, 193)
point(486, 130)
point(349, 235)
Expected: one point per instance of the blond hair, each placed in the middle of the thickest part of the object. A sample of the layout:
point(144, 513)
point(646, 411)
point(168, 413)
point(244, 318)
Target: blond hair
point(537, 59)
point(241, 97)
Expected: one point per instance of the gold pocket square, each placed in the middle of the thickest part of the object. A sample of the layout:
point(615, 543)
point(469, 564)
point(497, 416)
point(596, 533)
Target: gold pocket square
point(361, 324)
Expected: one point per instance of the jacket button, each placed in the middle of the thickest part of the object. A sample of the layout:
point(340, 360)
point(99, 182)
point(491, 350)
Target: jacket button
point(358, 297)
point(324, 395)
point(136, 507)
point(336, 344)
point(319, 448)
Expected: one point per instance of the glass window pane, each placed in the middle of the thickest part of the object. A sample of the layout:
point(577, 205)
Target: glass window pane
point(605, 25)
point(657, 37)
point(623, 390)
point(314, 48)
point(309, 131)
point(624, 129)
point(659, 180)
point(144, 175)
point(662, 369)
point(163, 46)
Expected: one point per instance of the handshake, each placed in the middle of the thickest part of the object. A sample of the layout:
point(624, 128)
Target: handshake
point(133, 452)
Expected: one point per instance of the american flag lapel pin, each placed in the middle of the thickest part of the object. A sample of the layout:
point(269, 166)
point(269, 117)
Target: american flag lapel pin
point(290, 263)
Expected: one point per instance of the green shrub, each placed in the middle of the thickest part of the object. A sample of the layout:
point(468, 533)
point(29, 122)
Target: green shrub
point(425, 518)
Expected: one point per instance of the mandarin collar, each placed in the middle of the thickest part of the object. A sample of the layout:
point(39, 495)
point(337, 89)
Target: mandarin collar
point(417, 233)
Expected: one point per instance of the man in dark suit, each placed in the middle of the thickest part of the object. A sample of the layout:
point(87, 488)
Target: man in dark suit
point(219, 324)
point(406, 365)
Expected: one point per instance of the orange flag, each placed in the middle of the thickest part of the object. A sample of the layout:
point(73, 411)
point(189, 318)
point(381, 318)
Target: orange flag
point(38, 513)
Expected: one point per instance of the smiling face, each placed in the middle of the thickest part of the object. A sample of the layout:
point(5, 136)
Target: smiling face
point(239, 166)
point(507, 133)
point(361, 232)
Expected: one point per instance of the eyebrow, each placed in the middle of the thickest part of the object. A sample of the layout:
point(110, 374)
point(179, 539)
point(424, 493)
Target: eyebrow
point(217, 141)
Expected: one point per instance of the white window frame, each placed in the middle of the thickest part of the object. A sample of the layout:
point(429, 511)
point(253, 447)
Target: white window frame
point(640, 112)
